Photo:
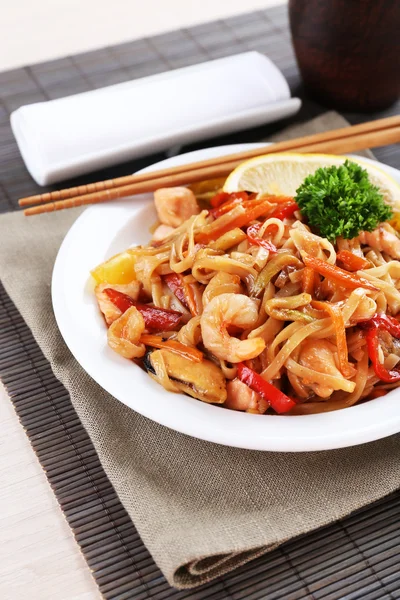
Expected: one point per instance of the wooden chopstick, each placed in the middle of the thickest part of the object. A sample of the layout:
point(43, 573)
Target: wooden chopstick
point(348, 139)
point(101, 186)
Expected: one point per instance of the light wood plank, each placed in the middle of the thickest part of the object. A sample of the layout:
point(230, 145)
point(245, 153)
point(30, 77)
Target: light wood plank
point(39, 558)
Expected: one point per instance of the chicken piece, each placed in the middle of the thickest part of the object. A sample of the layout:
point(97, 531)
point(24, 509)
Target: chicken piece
point(241, 397)
point(175, 205)
point(317, 355)
point(110, 311)
point(383, 238)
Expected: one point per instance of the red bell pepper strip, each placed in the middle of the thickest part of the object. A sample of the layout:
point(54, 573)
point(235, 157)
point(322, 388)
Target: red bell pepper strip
point(155, 319)
point(159, 319)
point(285, 211)
point(175, 283)
point(391, 324)
point(276, 399)
point(373, 344)
point(381, 322)
point(352, 262)
point(219, 199)
point(121, 301)
point(253, 238)
point(340, 276)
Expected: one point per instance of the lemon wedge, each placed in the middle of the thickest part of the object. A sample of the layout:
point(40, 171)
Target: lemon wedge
point(282, 173)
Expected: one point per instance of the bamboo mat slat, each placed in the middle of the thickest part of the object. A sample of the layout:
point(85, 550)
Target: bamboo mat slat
point(356, 558)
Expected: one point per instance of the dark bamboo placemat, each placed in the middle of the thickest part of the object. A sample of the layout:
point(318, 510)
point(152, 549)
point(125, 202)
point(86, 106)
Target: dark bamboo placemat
point(356, 558)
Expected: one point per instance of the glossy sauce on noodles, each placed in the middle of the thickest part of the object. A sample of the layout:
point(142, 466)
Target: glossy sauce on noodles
point(260, 298)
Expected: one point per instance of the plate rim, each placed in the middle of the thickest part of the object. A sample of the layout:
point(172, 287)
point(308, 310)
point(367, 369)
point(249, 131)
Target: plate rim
point(278, 433)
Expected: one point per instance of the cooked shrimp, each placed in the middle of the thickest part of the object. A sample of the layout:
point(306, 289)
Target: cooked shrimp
point(383, 238)
point(223, 311)
point(162, 232)
point(221, 283)
point(108, 308)
point(124, 334)
point(175, 205)
point(241, 397)
point(319, 356)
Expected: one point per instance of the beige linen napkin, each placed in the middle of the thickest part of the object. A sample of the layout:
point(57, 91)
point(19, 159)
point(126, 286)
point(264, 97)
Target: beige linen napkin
point(201, 509)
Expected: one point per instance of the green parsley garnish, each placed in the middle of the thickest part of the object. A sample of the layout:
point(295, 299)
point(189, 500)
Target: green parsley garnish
point(341, 201)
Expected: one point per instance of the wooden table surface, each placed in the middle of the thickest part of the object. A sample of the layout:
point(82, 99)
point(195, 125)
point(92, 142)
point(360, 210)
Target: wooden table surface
point(39, 558)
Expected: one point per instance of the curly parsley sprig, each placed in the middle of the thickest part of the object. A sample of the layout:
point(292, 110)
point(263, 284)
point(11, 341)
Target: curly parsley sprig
point(341, 201)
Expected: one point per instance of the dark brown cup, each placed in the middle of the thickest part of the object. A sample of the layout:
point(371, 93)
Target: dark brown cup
point(348, 51)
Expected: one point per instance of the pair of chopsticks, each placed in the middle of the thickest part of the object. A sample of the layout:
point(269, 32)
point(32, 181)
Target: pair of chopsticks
point(339, 141)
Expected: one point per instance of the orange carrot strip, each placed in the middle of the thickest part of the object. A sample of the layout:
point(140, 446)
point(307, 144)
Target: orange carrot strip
point(352, 262)
point(238, 217)
point(156, 341)
point(307, 281)
point(233, 200)
point(340, 276)
point(191, 300)
point(335, 313)
point(219, 198)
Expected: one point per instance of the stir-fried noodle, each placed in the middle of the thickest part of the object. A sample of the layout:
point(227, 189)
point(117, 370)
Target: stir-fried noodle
point(247, 294)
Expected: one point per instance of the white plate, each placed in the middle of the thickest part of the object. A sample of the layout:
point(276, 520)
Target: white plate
point(104, 230)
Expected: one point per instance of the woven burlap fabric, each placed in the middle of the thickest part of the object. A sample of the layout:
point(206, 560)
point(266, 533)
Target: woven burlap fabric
point(201, 509)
